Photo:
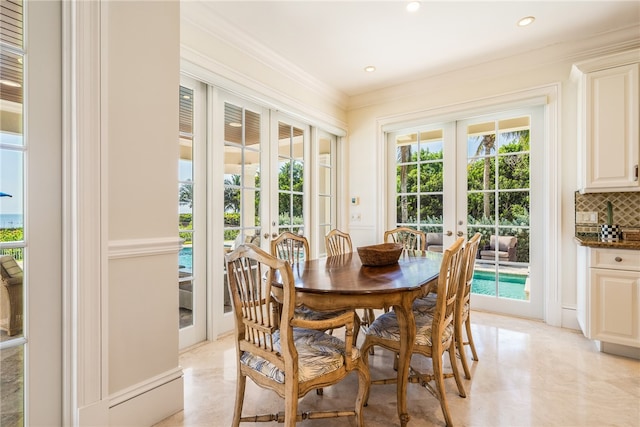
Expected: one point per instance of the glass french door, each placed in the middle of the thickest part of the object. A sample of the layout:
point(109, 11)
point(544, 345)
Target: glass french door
point(192, 291)
point(478, 175)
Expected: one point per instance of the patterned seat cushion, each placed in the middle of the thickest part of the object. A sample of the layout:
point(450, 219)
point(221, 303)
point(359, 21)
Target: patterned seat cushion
point(318, 354)
point(386, 327)
point(428, 304)
point(308, 314)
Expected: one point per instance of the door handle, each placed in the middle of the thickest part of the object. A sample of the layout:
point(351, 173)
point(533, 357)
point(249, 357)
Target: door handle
point(449, 233)
point(274, 235)
point(266, 236)
point(459, 234)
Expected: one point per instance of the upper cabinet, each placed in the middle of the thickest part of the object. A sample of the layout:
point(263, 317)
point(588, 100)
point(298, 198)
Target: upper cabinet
point(609, 99)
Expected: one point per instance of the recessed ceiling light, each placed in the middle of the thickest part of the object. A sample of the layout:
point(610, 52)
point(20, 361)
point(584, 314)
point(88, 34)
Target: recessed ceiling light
point(186, 97)
point(370, 69)
point(527, 20)
point(413, 6)
point(10, 83)
point(235, 124)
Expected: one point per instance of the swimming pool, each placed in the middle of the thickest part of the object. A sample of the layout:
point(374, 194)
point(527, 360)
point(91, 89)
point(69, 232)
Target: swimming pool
point(185, 258)
point(510, 286)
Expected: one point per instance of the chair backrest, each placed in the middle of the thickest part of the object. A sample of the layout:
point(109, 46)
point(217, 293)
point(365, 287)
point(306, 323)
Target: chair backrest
point(9, 268)
point(448, 282)
point(337, 242)
point(466, 276)
point(290, 247)
point(504, 242)
point(250, 272)
point(410, 238)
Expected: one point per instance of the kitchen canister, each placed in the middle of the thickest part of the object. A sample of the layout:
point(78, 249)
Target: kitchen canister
point(610, 233)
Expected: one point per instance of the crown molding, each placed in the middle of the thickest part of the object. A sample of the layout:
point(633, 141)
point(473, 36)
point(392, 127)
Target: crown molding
point(201, 16)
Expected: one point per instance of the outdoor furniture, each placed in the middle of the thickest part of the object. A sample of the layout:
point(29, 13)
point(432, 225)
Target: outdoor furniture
point(434, 242)
point(506, 249)
point(434, 332)
point(288, 355)
point(342, 282)
point(410, 238)
point(10, 295)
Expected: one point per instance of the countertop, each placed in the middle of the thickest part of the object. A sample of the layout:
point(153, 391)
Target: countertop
point(596, 242)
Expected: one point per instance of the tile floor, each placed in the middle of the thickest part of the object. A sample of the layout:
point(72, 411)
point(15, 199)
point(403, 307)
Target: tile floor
point(529, 374)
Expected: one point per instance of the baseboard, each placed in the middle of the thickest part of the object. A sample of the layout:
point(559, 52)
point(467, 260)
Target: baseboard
point(570, 318)
point(150, 407)
point(95, 414)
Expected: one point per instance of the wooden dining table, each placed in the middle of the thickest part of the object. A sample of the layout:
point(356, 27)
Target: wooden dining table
point(342, 282)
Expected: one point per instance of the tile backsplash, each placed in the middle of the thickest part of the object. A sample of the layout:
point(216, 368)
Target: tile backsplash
point(626, 209)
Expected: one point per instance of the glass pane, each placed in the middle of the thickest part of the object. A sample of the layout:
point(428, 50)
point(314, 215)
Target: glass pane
point(232, 160)
point(406, 209)
point(405, 152)
point(185, 201)
point(481, 145)
point(11, 190)
point(186, 110)
point(12, 385)
point(252, 133)
point(232, 202)
point(284, 175)
point(514, 207)
point(430, 150)
point(297, 209)
point(324, 209)
point(431, 177)
point(324, 180)
point(324, 151)
point(431, 209)
point(298, 176)
point(297, 149)
point(515, 140)
point(284, 140)
point(481, 174)
point(513, 171)
point(481, 207)
point(407, 178)
point(233, 123)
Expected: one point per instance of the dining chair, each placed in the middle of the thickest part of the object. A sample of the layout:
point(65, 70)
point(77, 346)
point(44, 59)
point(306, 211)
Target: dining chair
point(434, 332)
point(288, 355)
point(295, 249)
point(462, 308)
point(409, 237)
point(337, 243)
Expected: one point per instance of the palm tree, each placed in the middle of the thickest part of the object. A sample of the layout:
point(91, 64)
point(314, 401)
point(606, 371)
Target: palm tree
point(231, 193)
point(186, 194)
point(486, 143)
point(403, 157)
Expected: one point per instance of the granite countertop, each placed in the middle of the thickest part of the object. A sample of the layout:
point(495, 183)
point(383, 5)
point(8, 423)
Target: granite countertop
point(594, 241)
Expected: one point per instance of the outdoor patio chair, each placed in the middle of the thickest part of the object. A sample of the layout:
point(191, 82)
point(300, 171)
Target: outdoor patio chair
point(434, 242)
point(288, 355)
point(506, 251)
point(10, 295)
point(434, 332)
point(410, 238)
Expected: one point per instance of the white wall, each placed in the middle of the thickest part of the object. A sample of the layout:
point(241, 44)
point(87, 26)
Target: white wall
point(140, 81)
point(455, 90)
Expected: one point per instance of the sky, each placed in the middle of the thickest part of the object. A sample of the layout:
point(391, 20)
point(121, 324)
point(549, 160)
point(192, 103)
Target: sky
point(11, 175)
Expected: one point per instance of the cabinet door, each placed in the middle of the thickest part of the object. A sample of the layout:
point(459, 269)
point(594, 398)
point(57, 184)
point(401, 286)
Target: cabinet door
point(615, 306)
point(611, 131)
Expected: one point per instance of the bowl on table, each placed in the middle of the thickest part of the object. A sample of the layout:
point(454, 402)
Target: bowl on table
point(381, 254)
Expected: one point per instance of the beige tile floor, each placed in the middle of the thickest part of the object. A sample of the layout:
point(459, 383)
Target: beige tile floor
point(529, 374)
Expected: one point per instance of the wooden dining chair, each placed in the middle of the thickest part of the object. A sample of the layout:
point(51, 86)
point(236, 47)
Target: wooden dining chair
point(462, 320)
point(295, 249)
point(337, 242)
point(409, 237)
point(288, 355)
point(434, 332)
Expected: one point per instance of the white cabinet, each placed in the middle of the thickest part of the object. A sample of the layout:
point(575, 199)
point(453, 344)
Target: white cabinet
point(609, 123)
point(609, 295)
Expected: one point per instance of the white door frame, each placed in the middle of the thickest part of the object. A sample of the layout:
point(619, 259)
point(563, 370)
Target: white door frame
point(551, 221)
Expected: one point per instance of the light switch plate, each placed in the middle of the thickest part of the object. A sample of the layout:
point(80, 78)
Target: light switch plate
point(586, 217)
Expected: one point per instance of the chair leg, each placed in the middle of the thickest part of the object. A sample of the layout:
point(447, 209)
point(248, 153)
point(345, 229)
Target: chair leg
point(364, 382)
point(439, 380)
point(467, 324)
point(242, 382)
point(459, 344)
point(364, 354)
point(456, 372)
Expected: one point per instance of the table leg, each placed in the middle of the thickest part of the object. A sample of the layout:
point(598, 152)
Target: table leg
point(407, 325)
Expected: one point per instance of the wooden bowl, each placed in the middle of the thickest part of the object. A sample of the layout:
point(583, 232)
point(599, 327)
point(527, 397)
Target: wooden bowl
point(382, 254)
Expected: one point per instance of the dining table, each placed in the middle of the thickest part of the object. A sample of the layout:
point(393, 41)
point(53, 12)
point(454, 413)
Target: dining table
point(342, 282)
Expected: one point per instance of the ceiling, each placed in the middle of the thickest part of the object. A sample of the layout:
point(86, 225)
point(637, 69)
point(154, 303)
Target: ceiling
point(333, 41)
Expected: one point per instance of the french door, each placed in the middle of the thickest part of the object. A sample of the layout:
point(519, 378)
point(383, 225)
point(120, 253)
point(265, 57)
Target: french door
point(261, 159)
point(478, 175)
